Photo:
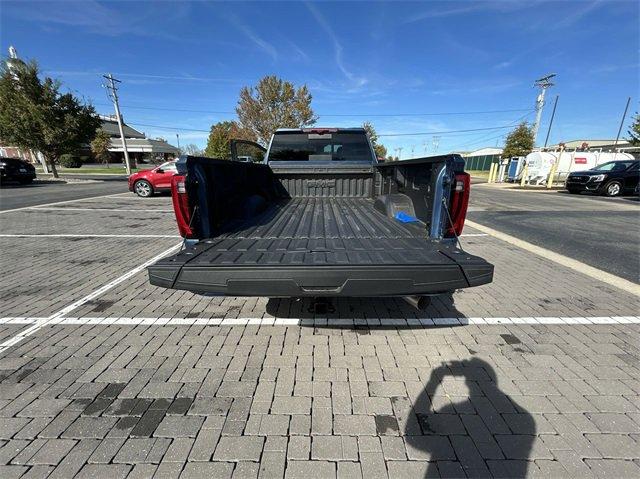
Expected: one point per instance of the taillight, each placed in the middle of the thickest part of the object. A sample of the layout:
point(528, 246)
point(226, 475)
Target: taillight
point(458, 204)
point(181, 206)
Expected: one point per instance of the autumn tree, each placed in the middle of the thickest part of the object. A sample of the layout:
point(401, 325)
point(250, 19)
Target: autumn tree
point(218, 143)
point(634, 131)
point(380, 149)
point(36, 115)
point(100, 146)
point(519, 142)
point(191, 150)
point(274, 103)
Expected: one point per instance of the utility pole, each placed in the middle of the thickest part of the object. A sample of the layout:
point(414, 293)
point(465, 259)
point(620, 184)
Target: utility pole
point(400, 148)
point(112, 91)
point(542, 83)
point(178, 140)
point(553, 114)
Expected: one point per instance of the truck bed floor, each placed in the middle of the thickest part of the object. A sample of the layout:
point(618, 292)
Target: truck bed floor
point(321, 246)
point(324, 218)
point(315, 231)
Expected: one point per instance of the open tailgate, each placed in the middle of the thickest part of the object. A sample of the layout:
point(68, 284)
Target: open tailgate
point(320, 267)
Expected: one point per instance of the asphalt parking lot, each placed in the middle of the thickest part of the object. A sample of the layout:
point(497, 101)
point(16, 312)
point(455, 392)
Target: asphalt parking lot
point(536, 374)
point(14, 195)
point(599, 231)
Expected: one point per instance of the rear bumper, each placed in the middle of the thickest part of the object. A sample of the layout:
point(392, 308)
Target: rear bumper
point(17, 175)
point(292, 281)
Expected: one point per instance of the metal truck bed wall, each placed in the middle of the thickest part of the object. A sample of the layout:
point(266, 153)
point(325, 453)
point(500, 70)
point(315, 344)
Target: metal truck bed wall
point(313, 230)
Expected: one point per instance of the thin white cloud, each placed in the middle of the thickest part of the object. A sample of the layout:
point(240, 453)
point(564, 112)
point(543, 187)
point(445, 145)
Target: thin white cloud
point(436, 9)
point(502, 65)
point(448, 12)
point(613, 68)
point(357, 81)
point(258, 41)
point(144, 78)
point(474, 89)
point(578, 11)
point(577, 15)
point(97, 18)
point(300, 54)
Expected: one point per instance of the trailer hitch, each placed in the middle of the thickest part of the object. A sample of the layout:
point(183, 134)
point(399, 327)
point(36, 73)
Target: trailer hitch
point(321, 305)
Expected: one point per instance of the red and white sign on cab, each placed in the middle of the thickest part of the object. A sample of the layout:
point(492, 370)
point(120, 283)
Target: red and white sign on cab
point(580, 161)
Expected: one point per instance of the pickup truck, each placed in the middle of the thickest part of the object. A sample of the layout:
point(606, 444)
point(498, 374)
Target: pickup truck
point(319, 216)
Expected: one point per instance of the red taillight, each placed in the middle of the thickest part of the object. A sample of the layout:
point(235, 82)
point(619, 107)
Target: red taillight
point(458, 204)
point(181, 206)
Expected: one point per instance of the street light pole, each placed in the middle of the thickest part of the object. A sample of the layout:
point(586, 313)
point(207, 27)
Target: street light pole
point(113, 93)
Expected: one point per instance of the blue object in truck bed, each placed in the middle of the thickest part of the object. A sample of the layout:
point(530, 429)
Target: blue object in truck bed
point(405, 217)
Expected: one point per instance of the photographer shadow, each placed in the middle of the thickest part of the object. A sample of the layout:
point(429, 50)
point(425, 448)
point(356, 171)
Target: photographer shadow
point(462, 431)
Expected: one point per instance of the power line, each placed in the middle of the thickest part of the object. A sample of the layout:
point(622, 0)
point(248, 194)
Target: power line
point(364, 115)
point(165, 127)
point(446, 132)
point(444, 113)
point(485, 138)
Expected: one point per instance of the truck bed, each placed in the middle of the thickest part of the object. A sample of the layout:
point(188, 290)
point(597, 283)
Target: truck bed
point(353, 249)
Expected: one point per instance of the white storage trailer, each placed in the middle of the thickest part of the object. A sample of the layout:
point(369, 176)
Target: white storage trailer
point(539, 162)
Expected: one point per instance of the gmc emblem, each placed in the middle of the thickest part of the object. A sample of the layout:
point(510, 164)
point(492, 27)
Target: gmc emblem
point(321, 183)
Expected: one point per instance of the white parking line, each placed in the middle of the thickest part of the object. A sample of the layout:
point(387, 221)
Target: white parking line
point(570, 263)
point(63, 202)
point(83, 236)
point(65, 208)
point(400, 322)
point(64, 311)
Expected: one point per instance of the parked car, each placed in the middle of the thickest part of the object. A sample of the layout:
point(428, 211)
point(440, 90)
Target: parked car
point(320, 217)
point(612, 178)
point(147, 182)
point(16, 169)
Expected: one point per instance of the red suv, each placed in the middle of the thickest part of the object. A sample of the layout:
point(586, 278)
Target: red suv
point(147, 182)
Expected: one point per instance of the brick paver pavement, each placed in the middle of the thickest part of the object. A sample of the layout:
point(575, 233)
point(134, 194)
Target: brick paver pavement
point(365, 391)
point(389, 401)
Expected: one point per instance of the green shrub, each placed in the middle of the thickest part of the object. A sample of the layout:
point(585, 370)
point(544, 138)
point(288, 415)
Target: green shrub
point(70, 161)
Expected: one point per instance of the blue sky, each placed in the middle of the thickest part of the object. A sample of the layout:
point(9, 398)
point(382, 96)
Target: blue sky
point(399, 65)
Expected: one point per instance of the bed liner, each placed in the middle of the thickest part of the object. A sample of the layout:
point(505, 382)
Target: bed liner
point(354, 250)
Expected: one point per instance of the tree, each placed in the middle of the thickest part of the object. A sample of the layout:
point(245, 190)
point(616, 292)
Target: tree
point(191, 149)
point(218, 144)
point(380, 149)
point(272, 104)
point(100, 146)
point(634, 131)
point(519, 142)
point(35, 115)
